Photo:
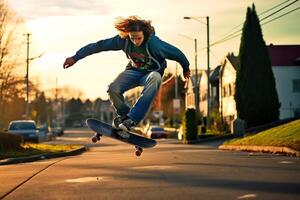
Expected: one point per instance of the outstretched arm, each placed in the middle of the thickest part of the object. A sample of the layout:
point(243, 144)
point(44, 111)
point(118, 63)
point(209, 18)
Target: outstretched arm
point(114, 43)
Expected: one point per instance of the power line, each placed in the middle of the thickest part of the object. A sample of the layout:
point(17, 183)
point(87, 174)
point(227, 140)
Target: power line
point(278, 10)
point(238, 33)
point(266, 11)
point(281, 16)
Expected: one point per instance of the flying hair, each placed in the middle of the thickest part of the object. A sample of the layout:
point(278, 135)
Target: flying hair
point(133, 24)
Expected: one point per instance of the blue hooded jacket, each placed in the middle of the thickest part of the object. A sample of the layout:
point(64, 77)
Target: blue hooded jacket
point(158, 51)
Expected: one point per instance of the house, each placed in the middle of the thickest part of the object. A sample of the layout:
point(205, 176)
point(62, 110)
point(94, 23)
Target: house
point(202, 82)
point(285, 60)
point(190, 101)
point(227, 87)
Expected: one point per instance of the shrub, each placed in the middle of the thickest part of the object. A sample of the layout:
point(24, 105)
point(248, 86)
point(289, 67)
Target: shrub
point(190, 125)
point(216, 122)
point(10, 141)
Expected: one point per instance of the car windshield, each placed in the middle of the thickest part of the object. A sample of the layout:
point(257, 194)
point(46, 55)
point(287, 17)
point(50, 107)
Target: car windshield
point(22, 126)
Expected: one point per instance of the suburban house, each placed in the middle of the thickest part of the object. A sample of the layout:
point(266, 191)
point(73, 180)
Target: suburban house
point(202, 82)
point(285, 61)
point(227, 87)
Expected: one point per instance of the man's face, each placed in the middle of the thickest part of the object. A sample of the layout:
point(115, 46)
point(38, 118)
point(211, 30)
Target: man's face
point(136, 38)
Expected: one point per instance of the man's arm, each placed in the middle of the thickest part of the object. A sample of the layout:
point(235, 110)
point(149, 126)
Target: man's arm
point(114, 44)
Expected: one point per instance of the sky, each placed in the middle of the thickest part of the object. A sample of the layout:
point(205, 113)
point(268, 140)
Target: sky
point(61, 27)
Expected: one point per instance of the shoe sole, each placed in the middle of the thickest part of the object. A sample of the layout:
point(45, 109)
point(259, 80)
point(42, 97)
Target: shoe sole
point(124, 128)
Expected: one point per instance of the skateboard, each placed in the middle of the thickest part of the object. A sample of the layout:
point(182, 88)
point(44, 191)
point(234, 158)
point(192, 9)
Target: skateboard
point(129, 137)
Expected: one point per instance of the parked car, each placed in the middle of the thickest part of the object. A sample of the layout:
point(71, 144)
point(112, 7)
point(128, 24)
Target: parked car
point(57, 130)
point(25, 128)
point(156, 132)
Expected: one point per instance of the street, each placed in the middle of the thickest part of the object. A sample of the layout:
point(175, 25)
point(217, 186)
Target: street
point(110, 170)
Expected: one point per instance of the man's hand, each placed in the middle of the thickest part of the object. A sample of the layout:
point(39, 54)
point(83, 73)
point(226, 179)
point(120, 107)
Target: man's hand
point(69, 62)
point(187, 74)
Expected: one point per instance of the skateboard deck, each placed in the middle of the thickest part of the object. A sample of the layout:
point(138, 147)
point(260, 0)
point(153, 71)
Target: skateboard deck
point(129, 137)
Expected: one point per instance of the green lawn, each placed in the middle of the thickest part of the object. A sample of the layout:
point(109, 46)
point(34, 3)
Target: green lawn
point(36, 149)
point(287, 135)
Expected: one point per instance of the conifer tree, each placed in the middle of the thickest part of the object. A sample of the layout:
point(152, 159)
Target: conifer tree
point(256, 96)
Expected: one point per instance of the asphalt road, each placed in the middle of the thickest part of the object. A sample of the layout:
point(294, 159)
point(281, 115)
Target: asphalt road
point(110, 170)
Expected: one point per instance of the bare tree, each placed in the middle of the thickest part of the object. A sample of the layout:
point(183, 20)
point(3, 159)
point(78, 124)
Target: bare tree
point(11, 35)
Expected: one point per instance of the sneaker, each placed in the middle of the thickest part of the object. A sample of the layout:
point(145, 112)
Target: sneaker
point(118, 120)
point(127, 124)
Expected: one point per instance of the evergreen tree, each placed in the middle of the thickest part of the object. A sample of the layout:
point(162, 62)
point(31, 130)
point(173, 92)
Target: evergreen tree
point(256, 96)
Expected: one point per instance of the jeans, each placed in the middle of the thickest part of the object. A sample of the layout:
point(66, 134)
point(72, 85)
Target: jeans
point(127, 80)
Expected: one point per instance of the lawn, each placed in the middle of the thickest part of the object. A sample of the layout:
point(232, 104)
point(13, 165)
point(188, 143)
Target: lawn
point(287, 135)
point(29, 149)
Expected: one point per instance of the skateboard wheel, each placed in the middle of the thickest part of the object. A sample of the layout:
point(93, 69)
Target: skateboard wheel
point(94, 139)
point(138, 152)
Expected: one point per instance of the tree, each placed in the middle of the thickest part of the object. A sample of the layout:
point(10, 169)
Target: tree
point(256, 96)
point(74, 110)
point(10, 50)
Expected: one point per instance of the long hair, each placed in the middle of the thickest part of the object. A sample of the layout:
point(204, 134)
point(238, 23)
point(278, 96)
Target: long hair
point(133, 24)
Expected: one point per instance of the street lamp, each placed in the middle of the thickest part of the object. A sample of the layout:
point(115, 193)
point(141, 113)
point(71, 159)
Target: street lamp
point(208, 64)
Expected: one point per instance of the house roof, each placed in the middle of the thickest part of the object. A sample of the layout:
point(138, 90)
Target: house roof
point(234, 60)
point(284, 55)
point(215, 74)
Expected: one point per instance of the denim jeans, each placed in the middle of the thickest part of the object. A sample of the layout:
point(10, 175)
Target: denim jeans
point(127, 80)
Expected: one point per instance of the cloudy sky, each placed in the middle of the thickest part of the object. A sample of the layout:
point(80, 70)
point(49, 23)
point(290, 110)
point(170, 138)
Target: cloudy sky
point(60, 27)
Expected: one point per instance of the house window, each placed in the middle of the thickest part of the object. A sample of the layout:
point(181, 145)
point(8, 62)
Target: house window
point(296, 85)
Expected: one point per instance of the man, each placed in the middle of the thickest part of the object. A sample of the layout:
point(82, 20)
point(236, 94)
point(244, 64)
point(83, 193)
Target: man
point(147, 56)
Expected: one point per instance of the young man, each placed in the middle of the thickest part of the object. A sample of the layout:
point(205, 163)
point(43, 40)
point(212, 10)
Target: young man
point(147, 56)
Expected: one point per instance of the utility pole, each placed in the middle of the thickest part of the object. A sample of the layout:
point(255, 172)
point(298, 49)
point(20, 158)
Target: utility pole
point(27, 77)
point(208, 75)
point(176, 96)
point(196, 82)
point(28, 59)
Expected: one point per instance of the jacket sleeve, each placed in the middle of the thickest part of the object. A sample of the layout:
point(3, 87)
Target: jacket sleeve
point(171, 52)
point(115, 43)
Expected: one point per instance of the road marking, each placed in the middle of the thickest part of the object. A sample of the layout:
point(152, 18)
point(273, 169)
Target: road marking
point(154, 167)
point(84, 180)
point(286, 162)
point(246, 196)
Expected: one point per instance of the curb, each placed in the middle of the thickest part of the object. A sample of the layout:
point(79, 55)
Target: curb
point(42, 156)
point(203, 140)
point(265, 149)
